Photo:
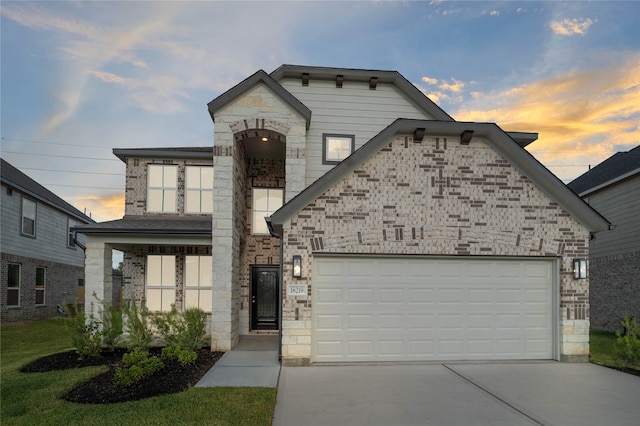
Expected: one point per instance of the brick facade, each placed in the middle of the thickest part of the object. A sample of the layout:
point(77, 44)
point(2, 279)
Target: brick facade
point(615, 288)
point(436, 198)
point(61, 284)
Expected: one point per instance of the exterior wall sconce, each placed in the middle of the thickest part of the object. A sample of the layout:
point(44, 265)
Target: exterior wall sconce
point(297, 266)
point(579, 269)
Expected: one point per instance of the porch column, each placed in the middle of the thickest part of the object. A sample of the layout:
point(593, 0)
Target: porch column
point(223, 335)
point(98, 274)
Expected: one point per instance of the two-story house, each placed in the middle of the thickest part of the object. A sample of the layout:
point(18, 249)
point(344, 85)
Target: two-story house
point(613, 188)
point(42, 261)
point(357, 220)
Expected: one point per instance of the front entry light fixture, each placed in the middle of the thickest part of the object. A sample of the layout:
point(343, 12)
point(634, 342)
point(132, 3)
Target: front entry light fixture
point(579, 269)
point(297, 266)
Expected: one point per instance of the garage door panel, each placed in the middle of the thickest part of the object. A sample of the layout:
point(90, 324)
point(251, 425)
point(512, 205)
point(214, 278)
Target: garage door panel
point(432, 309)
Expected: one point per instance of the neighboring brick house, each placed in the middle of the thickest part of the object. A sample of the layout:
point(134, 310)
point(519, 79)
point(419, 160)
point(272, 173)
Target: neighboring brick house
point(360, 222)
point(42, 262)
point(613, 188)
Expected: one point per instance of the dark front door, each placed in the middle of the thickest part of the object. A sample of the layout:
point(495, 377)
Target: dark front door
point(264, 297)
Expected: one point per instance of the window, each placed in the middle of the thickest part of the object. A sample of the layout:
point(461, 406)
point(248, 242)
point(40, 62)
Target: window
point(197, 282)
point(40, 285)
point(13, 285)
point(71, 243)
point(265, 202)
point(163, 188)
point(28, 217)
point(336, 147)
point(161, 282)
point(199, 189)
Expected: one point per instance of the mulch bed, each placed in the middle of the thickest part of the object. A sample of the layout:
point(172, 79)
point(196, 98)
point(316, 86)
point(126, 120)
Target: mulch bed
point(172, 378)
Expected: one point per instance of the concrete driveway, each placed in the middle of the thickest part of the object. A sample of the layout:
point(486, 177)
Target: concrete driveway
point(536, 393)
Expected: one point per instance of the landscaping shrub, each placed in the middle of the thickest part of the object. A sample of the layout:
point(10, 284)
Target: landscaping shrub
point(139, 327)
point(628, 343)
point(138, 365)
point(111, 324)
point(185, 330)
point(183, 356)
point(86, 334)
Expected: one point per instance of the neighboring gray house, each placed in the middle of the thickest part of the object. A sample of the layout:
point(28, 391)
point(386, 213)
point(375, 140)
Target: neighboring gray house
point(392, 232)
point(613, 188)
point(42, 263)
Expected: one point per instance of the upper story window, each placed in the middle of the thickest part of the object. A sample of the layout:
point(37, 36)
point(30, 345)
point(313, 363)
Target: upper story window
point(71, 242)
point(13, 285)
point(336, 148)
point(265, 201)
point(28, 226)
point(199, 189)
point(162, 182)
point(161, 282)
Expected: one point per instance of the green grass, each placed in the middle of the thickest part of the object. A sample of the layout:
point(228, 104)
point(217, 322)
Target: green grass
point(34, 398)
point(602, 348)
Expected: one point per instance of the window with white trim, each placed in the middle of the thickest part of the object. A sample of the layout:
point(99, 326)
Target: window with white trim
point(198, 189)
point(198, 281)
point(336, 148)
point(162, 182)
point(161, 282)
point(41, 278)
point(28, 226)
point(13, 284)
point(264, 201)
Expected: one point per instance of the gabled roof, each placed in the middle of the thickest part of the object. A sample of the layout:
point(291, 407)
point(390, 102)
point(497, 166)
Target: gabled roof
point(410, 91)
point(151, 225)
point(500, 141)
point(250, 82)
point(23, 183)
point(182, 152)
point(619, 166)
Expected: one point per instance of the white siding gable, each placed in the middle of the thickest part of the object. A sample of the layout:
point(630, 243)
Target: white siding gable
point(354, 109)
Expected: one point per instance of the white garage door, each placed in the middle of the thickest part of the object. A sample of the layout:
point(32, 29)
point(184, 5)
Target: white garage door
point(420, 309)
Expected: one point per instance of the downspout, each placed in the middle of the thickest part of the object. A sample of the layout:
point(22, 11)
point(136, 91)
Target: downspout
point(280, 269)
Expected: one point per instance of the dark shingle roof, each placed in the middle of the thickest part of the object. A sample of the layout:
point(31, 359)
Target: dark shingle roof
point(614, 167)
point(23, 183)
point(197, 152)
point(151, 225)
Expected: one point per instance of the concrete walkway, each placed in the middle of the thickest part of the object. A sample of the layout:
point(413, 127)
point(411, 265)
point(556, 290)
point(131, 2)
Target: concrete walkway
point(252, 363)
point(531, 393)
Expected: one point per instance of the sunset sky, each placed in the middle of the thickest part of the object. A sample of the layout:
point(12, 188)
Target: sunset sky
point(81, 78)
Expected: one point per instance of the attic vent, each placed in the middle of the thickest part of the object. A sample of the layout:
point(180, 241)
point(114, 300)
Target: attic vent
point(373, 82)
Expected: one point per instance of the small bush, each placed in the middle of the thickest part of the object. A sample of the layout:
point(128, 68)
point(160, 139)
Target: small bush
point(139, 327)
point(138, 365)
point(86, 334)
point(111, 324)
point(185, 330)
point(183, 356)
point(628, 343)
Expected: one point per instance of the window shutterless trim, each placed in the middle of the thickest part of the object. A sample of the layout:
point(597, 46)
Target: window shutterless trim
point(326, 136)
point(22, 217)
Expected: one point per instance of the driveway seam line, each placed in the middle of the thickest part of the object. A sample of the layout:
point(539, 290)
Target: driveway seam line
point(496, 396)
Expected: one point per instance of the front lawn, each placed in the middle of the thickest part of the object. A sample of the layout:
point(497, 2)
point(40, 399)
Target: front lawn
point(34, 398)
point(602, 348)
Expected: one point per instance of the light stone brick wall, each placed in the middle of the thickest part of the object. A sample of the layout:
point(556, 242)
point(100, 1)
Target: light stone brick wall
point(436, 198)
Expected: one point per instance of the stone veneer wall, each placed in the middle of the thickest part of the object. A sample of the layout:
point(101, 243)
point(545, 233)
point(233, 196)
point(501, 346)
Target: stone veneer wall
point(136, 184)
point(260, 110)
point(437, 198)
point(615, 290)
point(61, 284)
